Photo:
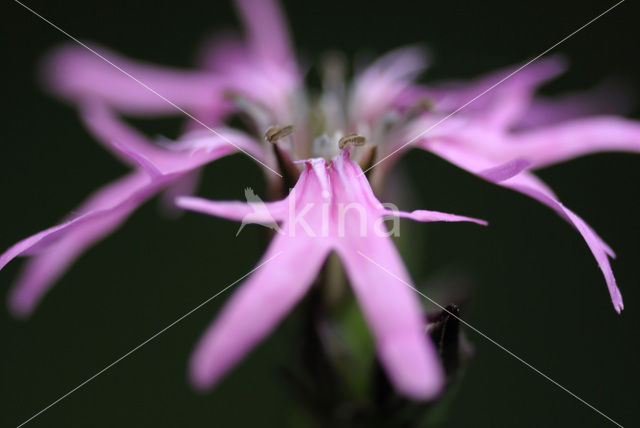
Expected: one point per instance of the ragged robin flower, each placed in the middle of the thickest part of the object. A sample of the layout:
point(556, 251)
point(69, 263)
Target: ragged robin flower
point(321, 144)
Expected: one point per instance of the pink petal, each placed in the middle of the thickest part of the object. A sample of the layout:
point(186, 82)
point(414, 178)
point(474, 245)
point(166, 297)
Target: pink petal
point(459, 93)
point(192, 151)
point(220, 50)
point(610, 97)
point(252, 212)
point(33, 243)
point(529, 184)
point(55, 249)
point(567, 140)
point(380, 84)
point(183, 186)
point(77, 74)
point(262, 71)
point(506, 170)
point(257, 306)
point(431, 216)
point(394, 315)
point(541, 147)
point(389, 304)
point(113, 133)
point(501, 105)
point(267, 30)
point(598, 247)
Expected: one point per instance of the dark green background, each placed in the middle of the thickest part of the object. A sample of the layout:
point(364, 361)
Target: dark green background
point(537, 289)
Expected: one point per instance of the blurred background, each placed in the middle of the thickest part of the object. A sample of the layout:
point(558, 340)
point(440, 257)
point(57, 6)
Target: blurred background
point(534, 285)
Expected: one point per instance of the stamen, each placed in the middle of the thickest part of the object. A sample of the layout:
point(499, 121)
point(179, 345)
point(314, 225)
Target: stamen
point(290, 172)
point(368, 160)
point(259, 115)
point(351, 139)
point(425, 104)
point(333, 71)
point(275, 133)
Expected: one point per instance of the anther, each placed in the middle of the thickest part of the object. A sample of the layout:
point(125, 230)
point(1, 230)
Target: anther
point(351, 139)
point(275, 133)
point(425, 104)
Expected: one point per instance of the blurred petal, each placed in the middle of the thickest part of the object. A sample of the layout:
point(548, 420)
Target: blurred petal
point(252, 212)
point(183, 186)
point(380, 84)
point(193, 150)
point(431, 216)
point(598, 247)
point(568, 140)
point(390, 306)
point(267, 30)
point(257, 306)
point(77, 74)
point(486, 148)
point(55, 249)
point(220, 50)
point(261, 69)
point(499, 97)
point(506, 170)
point(58, 247)
point(394, 315)
point(610, 97)
point(530, 185)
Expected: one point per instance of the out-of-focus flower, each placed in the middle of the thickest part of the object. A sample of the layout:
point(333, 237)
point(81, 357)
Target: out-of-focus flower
point(53, 250)
point(100, 90)
point(501, 137)
point(511, 133)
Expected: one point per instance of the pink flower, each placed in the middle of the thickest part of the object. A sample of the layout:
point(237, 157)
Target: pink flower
point(331, 208)
point(501, 136)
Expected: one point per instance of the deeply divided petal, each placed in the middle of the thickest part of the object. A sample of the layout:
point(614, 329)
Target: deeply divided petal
point(193, 150)
point(254, 310)
point(77, 73)
point(431, 216)
point(55, 249)
point(567, 140)
point(500, 97)
point(609, 97)
point(378, 86)
point(600, 250)
point(267, 30)
point(382, 287)
point(513, 175)
point(248, 212)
